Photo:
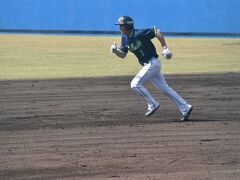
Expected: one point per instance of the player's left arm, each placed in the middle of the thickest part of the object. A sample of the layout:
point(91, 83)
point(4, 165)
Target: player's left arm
point(166, 52)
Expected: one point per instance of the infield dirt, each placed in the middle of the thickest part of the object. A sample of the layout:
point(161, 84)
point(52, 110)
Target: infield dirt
point(94, 128)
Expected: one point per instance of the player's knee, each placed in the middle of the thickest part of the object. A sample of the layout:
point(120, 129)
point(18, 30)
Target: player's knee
point(134, 84)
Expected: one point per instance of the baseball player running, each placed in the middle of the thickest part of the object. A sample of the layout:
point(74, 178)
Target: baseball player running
point(139, 42)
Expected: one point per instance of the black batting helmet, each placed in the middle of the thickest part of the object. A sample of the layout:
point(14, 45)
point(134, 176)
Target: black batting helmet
point(126, 21)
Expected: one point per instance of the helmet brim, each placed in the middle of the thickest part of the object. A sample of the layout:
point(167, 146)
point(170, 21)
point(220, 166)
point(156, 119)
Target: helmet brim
point(119, 24)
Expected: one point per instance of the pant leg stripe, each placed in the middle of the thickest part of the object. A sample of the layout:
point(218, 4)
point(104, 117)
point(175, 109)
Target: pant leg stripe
point(145, 74)
point(147, 96)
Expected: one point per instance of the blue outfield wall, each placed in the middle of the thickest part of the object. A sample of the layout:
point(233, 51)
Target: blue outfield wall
point(196, 16)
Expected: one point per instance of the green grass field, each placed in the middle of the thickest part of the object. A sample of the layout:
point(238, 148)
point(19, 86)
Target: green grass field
point(44, 57)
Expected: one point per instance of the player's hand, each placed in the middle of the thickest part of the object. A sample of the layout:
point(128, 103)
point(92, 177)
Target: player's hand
point(113, 48)
point(167, 53)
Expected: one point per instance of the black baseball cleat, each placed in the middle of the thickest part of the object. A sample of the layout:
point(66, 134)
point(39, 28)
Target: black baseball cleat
point(187, 114)
point(150, 112)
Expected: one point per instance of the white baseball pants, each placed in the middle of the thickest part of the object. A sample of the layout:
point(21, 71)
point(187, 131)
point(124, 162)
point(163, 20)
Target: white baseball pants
point(151, 72)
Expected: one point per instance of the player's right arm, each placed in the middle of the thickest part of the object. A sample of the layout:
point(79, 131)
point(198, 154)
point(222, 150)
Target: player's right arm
point(123, 50)
point(114, 49)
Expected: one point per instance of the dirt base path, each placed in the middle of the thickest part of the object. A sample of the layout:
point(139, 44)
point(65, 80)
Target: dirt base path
point(95, 129)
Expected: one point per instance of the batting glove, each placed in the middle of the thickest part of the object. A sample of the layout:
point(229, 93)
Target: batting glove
point(113, 48)
point(167, 53)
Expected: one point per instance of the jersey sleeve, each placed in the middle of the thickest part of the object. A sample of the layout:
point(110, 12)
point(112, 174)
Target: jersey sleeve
point(149, 33)
point(124, 47)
